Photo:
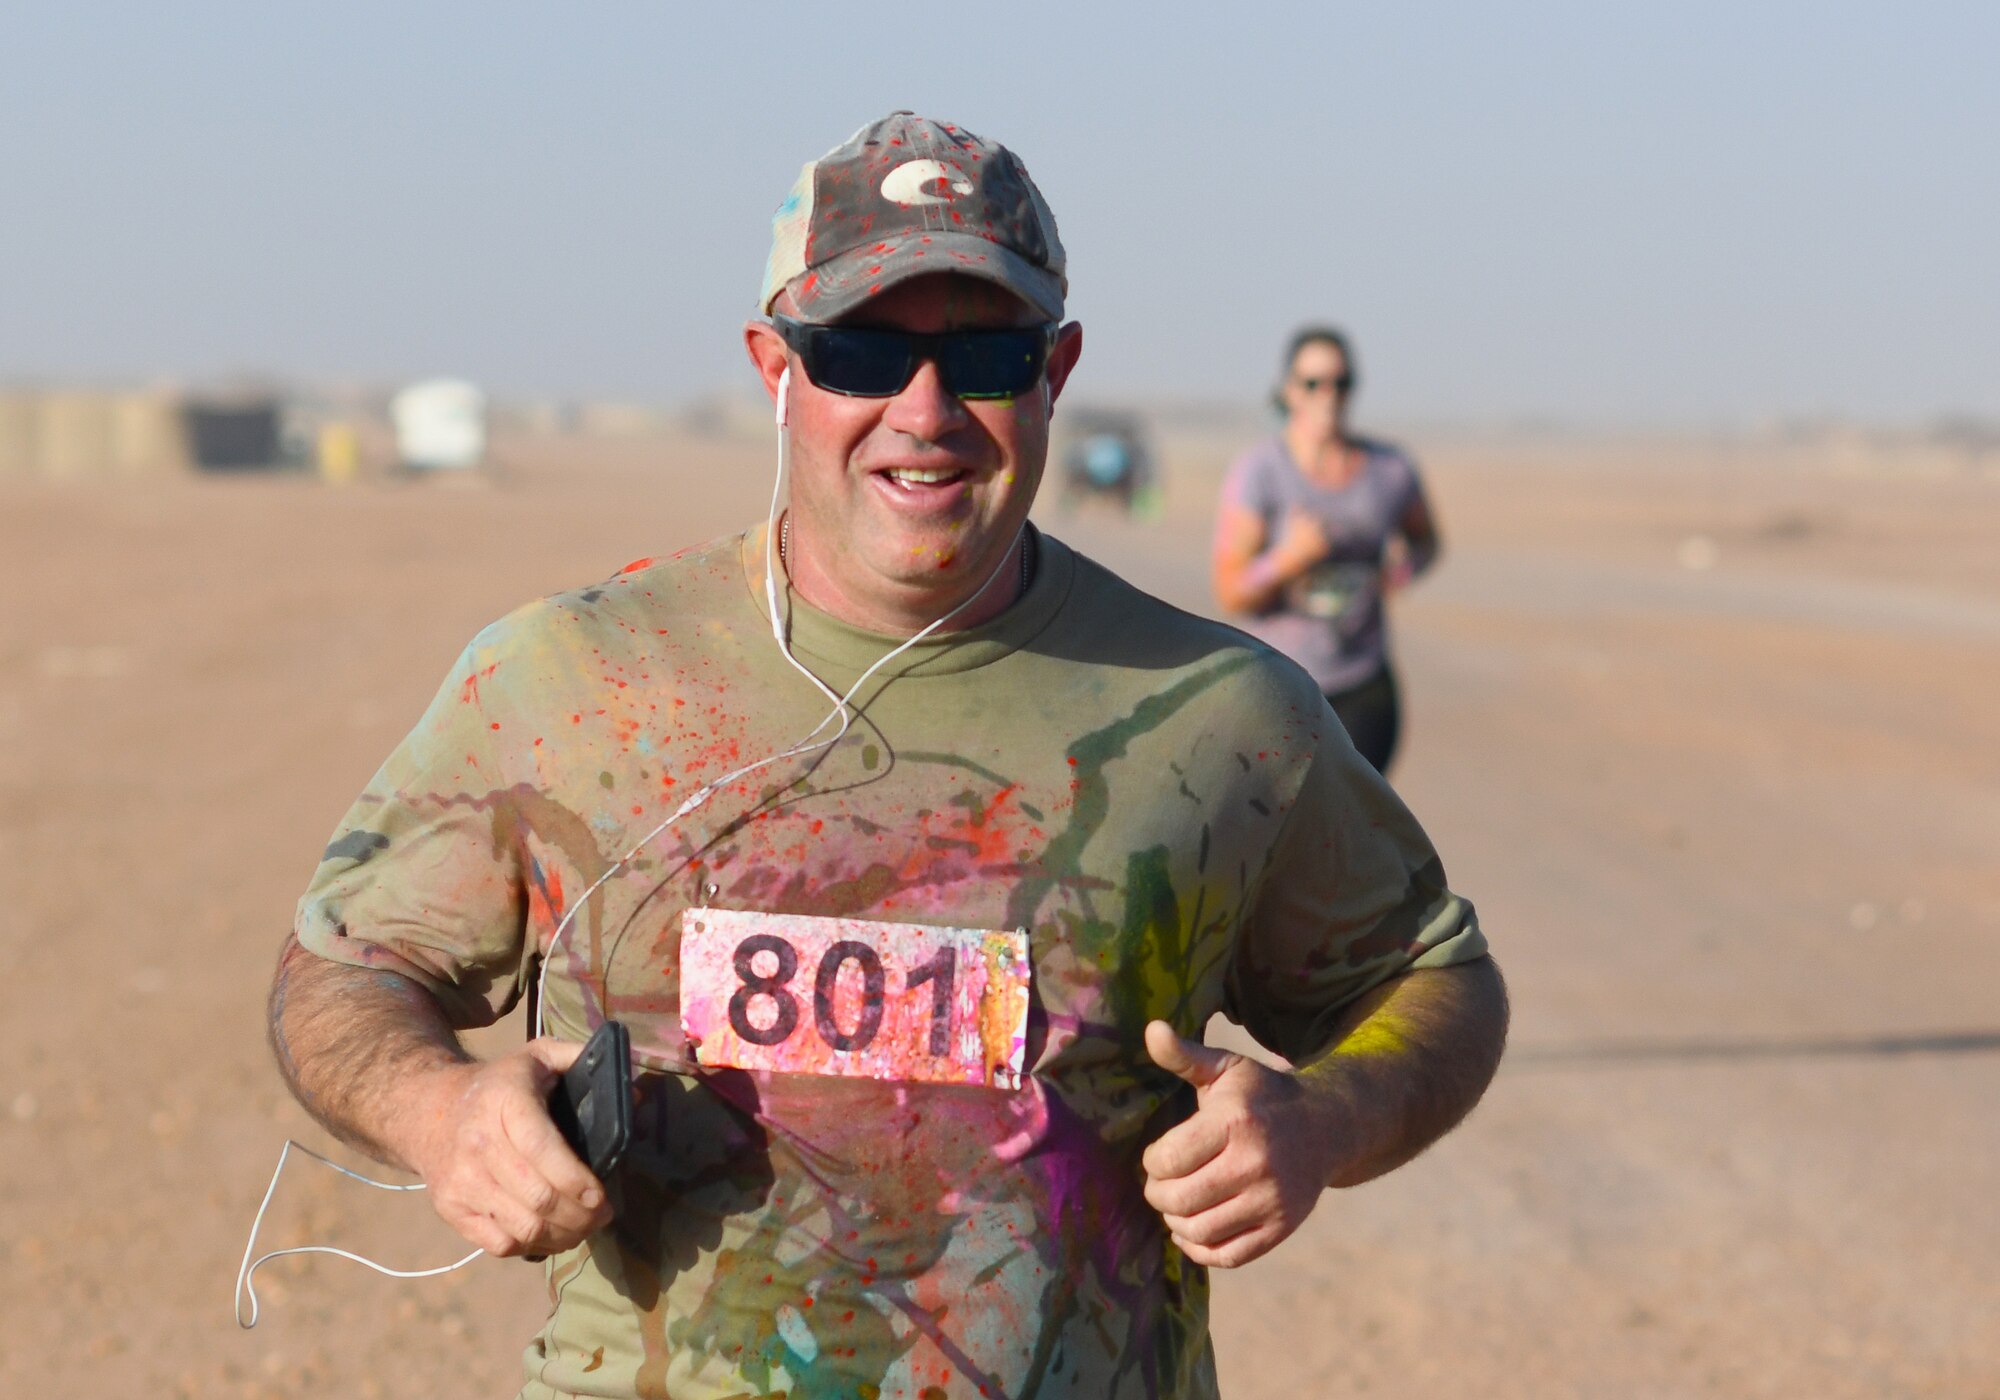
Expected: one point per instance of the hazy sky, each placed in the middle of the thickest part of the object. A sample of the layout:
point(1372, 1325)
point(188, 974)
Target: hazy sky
point(1696, 213)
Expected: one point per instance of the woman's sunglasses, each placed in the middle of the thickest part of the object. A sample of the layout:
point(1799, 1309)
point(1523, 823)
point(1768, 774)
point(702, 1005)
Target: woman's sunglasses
point(869, 362)
point(1315, 383)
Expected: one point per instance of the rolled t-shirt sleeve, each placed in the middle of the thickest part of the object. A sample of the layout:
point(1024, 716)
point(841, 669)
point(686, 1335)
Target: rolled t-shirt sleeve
point(423, 876)
point(1354, 894)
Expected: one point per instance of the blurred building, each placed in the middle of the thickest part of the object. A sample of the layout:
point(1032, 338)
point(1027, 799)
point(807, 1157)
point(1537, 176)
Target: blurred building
point(72, 434)
point(91, 434)
point(243, 431)
point(440, 425)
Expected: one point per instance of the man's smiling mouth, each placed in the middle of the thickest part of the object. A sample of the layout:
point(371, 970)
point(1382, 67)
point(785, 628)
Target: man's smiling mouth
point(923, 476)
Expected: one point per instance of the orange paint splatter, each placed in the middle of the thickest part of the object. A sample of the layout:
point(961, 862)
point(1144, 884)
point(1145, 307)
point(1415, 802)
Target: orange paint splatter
point(468, 694)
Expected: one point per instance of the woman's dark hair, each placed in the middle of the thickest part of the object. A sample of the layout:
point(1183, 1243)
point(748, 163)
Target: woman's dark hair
point(1318, 335)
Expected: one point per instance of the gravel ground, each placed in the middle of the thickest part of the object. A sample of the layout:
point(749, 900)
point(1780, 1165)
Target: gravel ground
point(1710, 740)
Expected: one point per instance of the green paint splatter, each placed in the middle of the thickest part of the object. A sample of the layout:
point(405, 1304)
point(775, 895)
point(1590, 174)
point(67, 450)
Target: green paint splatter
point(1092, 754)
point(950, 760)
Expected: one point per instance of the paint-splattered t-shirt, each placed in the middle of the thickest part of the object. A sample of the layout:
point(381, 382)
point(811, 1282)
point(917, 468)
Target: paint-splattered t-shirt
point(1166, 806)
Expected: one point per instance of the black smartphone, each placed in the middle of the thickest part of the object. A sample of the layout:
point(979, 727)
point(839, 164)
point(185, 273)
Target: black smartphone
point(592, 1103)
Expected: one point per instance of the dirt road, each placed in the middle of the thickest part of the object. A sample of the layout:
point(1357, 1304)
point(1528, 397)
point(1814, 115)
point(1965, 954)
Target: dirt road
point(1713, 745)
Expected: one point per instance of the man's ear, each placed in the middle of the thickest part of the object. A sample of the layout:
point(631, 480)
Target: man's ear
point(767, 355)
point(1062, 359)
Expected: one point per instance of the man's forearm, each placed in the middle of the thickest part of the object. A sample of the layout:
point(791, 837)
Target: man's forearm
point(363, 1050)
point(1410, 1061)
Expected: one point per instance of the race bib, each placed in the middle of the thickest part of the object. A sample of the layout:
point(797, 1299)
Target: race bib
point(1331, 590)
point(806, 995)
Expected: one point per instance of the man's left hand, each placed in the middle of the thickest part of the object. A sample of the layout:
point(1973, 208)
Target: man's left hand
point(1242, 1173)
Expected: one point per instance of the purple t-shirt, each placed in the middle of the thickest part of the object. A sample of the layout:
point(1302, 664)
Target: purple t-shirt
point(1330, 619)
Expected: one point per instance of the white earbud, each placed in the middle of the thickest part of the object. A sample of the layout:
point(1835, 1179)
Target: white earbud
point(784, 394)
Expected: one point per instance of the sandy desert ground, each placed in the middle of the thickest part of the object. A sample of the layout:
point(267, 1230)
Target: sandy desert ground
point(1710, 733)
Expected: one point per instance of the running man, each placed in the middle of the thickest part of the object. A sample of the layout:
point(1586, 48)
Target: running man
point(915, 850)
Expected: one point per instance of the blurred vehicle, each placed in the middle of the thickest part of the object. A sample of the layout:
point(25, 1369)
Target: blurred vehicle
point(1107, 458)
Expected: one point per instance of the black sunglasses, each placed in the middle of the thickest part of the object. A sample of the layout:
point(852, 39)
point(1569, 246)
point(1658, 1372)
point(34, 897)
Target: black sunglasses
point(872, 362)
point(1313, 383)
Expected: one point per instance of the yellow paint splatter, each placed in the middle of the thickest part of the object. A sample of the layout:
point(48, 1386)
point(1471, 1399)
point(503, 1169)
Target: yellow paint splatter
point(1381, 1036)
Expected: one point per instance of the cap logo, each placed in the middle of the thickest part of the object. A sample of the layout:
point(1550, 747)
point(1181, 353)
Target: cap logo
point(906, 183)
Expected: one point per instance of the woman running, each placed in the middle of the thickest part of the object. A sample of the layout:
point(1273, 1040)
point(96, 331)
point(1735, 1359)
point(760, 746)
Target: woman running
point(1317, 525)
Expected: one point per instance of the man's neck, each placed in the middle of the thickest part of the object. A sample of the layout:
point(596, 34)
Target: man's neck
point(904, 611)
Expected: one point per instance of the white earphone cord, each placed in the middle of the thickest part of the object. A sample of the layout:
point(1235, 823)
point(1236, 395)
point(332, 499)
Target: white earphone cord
point(841, 703)
point(245, 1275)
point(841, 708)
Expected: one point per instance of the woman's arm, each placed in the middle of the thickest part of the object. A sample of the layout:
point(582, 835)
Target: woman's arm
point(1414, 542)
point(1418, 527)
point(1248, 577)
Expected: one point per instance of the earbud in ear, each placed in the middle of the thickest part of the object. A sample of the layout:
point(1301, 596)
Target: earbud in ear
point(784, 395)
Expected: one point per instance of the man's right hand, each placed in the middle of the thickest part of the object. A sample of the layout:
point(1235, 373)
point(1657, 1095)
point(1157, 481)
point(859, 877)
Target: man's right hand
point(498, 1170)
